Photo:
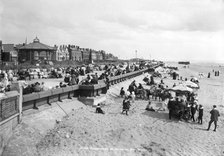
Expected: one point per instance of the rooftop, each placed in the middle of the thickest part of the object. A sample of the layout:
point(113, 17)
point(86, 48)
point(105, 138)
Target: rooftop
point(37, 45)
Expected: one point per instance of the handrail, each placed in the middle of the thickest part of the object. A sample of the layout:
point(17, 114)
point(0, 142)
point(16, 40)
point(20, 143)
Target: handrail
point(46, 97)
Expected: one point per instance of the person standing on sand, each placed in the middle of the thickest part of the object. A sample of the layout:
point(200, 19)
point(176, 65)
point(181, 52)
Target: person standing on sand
point(126, 105)
point(200, 114)
point(122, 92)
point(193, 110)
point(171, 107)
point(209, 75)
point(214, 117)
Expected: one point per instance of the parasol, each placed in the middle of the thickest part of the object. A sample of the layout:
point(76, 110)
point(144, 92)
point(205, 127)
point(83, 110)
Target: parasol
point(181, 88)
point(191, 84)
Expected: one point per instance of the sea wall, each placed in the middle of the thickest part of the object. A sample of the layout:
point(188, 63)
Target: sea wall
point(9, 117)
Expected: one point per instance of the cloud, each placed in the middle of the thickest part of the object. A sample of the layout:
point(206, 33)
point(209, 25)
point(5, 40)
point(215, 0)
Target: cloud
point(172, 15)
point(163, 28)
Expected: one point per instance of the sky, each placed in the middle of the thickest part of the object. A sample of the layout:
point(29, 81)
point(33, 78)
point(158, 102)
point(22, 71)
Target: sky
point(171, 30)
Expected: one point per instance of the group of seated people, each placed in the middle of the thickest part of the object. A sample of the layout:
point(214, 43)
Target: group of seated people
point(149, 81)
point(35, 87)
point(90, 80)
point(71, 79)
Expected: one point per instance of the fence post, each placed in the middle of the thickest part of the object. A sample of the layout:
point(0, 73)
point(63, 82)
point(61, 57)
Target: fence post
point(20, 102)
point(19, 88)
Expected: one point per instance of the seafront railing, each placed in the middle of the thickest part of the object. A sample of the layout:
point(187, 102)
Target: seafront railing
point(35, 100)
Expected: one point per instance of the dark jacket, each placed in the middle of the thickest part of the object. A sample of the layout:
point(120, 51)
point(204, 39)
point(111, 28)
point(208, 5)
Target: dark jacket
point(200, 112)
point(126, 104)
point(214, 114)
point(193, 109)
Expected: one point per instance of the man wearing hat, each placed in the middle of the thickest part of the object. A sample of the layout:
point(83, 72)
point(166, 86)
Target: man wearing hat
point(214, 117)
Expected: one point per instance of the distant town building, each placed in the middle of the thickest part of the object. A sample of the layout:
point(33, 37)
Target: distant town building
point(62, 53)
point(36, 51)
point(86, 57)
point(9, 53)
point(75, 53)
point(96, 55)
point(110, 57)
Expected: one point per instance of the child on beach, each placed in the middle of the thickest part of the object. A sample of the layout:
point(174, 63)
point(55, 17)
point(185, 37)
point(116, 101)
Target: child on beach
point(149, 107)
point(99, 110)
point(126, 104)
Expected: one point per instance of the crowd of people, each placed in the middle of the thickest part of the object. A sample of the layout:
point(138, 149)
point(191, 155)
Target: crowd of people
point(71, 76)
point(184, 106)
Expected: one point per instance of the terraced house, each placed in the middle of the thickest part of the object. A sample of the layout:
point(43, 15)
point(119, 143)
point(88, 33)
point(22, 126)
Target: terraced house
point(62, 53)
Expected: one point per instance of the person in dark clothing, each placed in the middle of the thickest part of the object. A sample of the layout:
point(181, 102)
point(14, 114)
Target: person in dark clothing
point(214, 117)
point(182, 106)
point(96, 76)
point(131, 88)
point(149, 107)
point(200, 114)
point(99, 110)
point(107, 82)
point(151, 80)
point(171, 105)
point(94, 80)
point(209, 75)
point(174, 76)
point(62, 85)
point(140, 86)
point(193, 111)
point(126, 105)
point(122, 92)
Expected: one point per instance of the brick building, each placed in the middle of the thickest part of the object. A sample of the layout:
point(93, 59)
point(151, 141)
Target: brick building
point(9, 53)
point(86, 57)
point(75, 53)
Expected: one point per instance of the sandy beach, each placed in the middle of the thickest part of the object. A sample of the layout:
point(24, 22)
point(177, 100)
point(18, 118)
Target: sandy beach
point(141, 132)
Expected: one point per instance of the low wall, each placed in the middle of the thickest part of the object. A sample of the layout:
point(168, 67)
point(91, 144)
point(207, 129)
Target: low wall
point(9, 117)
point(32, 101)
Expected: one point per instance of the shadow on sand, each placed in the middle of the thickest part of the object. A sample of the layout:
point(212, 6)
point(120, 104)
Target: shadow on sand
point(163, 116)
point(202, 129)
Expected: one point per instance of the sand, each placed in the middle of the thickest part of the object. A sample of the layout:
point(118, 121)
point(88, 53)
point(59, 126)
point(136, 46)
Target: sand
point(141, 132)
